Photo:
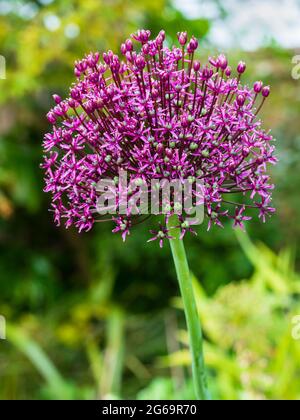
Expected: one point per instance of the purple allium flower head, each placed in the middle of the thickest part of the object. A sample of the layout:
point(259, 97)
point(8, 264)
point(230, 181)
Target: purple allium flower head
point(158, 114)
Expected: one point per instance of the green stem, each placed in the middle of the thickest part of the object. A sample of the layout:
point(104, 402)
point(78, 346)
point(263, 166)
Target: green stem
point(190, 309)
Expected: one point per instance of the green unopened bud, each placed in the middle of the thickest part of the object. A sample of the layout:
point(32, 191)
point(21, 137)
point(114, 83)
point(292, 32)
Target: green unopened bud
point(139, 182)
point(107, 158)
point(177, 207)
point(191, 179)
point(168, 208)
point(205, 153)
point(193, 146)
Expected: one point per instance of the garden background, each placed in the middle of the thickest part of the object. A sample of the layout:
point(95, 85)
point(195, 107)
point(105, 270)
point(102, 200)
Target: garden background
point(90, 317)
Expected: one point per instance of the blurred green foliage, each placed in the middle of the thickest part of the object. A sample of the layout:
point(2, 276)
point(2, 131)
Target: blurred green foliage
point(90, 317)
point(251, 350)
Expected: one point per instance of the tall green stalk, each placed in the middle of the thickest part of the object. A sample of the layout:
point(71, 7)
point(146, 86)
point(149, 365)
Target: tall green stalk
point(190, 309)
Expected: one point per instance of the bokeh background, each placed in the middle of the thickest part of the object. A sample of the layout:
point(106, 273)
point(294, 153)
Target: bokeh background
point(89, 317)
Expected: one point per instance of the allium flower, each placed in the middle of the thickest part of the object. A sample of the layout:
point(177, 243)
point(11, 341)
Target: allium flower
point(158, 113)
point(160, 235)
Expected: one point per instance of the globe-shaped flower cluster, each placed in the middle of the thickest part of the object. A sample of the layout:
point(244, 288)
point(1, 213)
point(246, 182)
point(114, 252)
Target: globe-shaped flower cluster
point(158, 113)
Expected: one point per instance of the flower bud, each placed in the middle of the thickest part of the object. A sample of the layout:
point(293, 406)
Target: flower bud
point(196, 65)
point(169, 152)
point(192, 45)
point(123, 49)
point(57, 99)
point(75, 94)
point(51, 117)
point(77, 72)
point(140, 62)
point(207, 73)
point(266, 91)
point(146, 49)
point(228, 72)
point(222, 61)
point(159, 148)
point(106, 58)
point(241, 67)
point(142, 36)
point(258, 87)
point(182, 38)
point(241, 99)
point(184, 121)
point(155, 93)
point(162, 34)
point(58, 111)
point(245, 152)
point(129, 45)
point(72, 103)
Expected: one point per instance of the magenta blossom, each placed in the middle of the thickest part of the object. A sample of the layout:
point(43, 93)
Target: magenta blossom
point(157, 113)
